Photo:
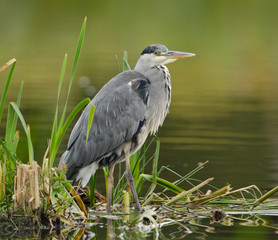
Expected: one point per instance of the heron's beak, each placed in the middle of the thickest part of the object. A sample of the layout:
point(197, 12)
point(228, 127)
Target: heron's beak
point(175, 54)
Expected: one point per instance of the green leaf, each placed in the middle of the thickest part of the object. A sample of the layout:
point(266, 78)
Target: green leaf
point(90, 121)
point(125, 62)
point(265, 196)
point(186, 193)
point(54, 128)
point(27, 131)
point(154, 170)
point(135, 165)
point(8, 135)
point(55, 121)
point(11, 135)
point(162, 182)
point(58, 130)
point(62, 131)
point(8, 152)
point(74, 66)
point(6, 87)
point(155, 160)
point(92, 187)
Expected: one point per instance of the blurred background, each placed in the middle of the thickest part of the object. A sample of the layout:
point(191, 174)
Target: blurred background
point(224, 104)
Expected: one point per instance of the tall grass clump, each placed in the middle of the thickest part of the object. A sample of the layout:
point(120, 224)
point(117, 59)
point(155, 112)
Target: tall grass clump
point(60, 126)
point(8, 145)
point(57, 187)
point(52, 182)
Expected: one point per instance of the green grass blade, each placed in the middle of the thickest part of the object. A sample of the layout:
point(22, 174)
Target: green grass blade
point(186, 193)
point(30, 145)
point(59, 133)
point(143, 158)
point(11, 137)
point(62, 75)
point(92, 187)
point(118, 64)
point(194, 171)
point(69, 187)
point(6, 87)
point(12, 119)
point(8, 134)
point(125, 62)
point(162, 182)
point(18, 104)
point(135, 165)
point(75, 61)
point(62, 131)
point(265, 196)
point(55, 121)
point(27, 131)
point(105, 173)
point(77, 53)
point(220, 193)
point(90, 121)
point(8, 152)
point(72, 115)
point(154, 170)
point(155, 161)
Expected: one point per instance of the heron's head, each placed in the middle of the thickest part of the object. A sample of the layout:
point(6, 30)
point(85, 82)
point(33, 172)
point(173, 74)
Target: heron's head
point(157, 54)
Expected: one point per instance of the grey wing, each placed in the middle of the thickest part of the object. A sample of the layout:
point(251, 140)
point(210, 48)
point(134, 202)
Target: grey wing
point(120, 111)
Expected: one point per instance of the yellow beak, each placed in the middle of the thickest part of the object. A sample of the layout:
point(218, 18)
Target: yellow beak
point(175, 54)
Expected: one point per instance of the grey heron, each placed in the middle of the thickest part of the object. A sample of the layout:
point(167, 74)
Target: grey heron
point(129, 107)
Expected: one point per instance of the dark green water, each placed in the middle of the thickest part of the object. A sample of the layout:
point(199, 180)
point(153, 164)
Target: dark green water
point(224, 105)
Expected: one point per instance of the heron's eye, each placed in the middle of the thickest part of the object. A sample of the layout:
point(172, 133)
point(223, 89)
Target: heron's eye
point(156, 53)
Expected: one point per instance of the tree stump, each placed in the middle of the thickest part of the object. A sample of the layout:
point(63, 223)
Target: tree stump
point(26, 187)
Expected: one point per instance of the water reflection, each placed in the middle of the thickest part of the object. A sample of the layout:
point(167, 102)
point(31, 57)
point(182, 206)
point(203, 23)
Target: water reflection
point(99, 226)
point(251, 227)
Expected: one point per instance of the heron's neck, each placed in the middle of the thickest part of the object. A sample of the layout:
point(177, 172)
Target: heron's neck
point(145, 63)
point(147, 69)
point(159, 95)
point(142, 67)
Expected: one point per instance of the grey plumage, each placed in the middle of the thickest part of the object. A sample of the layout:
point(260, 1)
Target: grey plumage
point(116, 120)
point(129, 107)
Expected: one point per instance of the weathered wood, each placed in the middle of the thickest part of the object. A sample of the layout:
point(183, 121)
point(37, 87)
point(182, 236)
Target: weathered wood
point(26, 187)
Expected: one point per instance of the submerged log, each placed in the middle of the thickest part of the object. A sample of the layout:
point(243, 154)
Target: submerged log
point(26, 187)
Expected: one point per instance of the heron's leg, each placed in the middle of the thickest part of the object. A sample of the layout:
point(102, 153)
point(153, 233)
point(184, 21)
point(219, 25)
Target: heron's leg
point(110, 182)
point(130, 182)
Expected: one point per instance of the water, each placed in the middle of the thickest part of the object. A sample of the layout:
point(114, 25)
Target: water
point(242, 227)
point(224, 105)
